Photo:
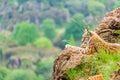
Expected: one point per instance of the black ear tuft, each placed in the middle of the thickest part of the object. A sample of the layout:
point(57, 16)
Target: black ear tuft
point(89, 33)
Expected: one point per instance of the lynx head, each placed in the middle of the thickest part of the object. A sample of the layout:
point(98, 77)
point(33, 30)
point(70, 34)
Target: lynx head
point(89, 35)
point(88, 41)
point(86, 36)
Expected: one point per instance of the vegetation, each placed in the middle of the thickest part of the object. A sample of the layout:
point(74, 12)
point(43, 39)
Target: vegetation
point(75, 27)
point(101, 63)
point(95, 7)
point(3, 73)
point(45, 68)
point(1, 55)
point(48, 27)
point(43, 43)
point(25, 33)
point(106, 63)
point(21, 75)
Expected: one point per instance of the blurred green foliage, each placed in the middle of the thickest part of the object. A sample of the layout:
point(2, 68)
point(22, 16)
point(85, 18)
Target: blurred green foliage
point(2, 37)
point(5, 36)
point(45, 67)
point(26, 63)
point(21, 75)
point(40, 77)
point(75, 27)
point(1, 54)
point(3, 72)
point(22, 1)
point(25, 33)
point(48, 27)
point(43, 43)
point(116, 3)
point(95, 7)
point(40, 1)
point(105, 63)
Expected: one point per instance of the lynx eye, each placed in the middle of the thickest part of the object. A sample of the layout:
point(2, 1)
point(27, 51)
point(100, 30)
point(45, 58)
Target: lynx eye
point(85, 40)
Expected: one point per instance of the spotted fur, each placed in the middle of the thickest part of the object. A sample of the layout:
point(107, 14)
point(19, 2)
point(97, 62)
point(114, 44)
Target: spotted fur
point(97, 43)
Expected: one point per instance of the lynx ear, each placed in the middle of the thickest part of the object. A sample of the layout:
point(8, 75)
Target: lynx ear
point(89, 33)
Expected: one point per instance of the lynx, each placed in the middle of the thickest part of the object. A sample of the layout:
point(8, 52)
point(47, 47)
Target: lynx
point(96, 43)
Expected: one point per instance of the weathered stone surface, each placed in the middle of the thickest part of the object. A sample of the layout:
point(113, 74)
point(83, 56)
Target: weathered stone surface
point(70, 57)
point(108, 27)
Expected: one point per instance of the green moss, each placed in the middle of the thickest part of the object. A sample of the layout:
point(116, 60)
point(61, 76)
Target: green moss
point(100, 63)
point(105, 63)
point(118, 31)
point(73, 73)
point(84, 70)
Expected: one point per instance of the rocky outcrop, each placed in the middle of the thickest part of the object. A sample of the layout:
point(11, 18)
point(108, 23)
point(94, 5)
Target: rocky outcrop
point(109, 26)
point(70, 57)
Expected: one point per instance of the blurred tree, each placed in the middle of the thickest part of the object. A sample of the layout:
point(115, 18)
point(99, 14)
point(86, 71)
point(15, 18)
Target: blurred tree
point(51, 2)
point(60, 15)
point(43, 43)
point(25, 33)
point(55, 2)
point(21, 75)
point(75, 27)
point(48, 27)
point(117, 3)
point(109, 5)
point(11, 2)
point(2, 37)
point(22, 1)
point(44, 68)
point(3, 73)
point(84, 7)
point(78, 16)
point(40, 77)
point(40, 1)
point(1, 54)
point(73, 6)
point(95, 7)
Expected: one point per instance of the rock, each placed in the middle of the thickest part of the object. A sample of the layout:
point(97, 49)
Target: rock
point(108, 27)
point(70, 57)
